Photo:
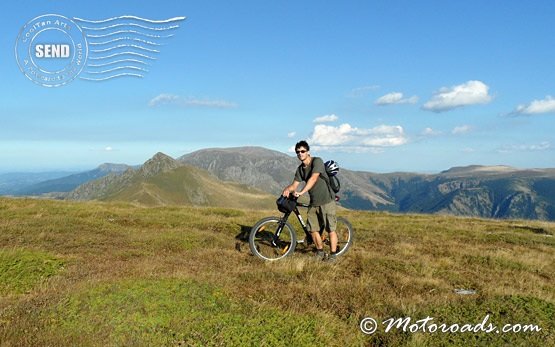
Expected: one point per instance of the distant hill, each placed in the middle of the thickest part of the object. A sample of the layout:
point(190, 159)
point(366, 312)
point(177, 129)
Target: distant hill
point(68, 183)
point(164, 181)
point(12, 182)
point(479, 191)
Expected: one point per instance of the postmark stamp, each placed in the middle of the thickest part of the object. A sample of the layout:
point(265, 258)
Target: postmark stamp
point(51, 50)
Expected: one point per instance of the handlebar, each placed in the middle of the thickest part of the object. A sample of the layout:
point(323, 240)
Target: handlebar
point(294, 198)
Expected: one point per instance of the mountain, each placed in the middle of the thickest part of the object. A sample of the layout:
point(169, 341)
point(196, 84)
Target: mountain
point(10, 183)
point(164, 181)
point(68, 183)
point(258, 167)
point(480, 191)
point(271, 171)
point(253, 176)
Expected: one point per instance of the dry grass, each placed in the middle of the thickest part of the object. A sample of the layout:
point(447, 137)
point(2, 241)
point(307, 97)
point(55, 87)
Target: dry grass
point(169, 275)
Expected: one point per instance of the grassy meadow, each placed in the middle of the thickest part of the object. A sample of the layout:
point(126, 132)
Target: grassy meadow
point(118, 274)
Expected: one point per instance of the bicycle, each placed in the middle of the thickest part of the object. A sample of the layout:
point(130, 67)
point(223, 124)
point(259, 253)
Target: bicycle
point(273, 238)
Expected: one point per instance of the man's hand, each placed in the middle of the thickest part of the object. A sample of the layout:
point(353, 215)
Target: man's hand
point(286, 193)
point(297, 194)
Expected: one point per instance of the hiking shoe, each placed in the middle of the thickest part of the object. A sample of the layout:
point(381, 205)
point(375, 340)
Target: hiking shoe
point(332, 258)
point(319, 255)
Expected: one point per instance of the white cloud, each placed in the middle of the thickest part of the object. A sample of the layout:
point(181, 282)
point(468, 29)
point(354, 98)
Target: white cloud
point(462, 129)
point(328, 135)
point(291, 134)
point(351, 139)
point(542, 146)
point(395, 98)
point(430, 132)
point(326, 118)
point(546, 105)
point(167, 99)
point(103, 149)
point(163, 99)
point(469, 93)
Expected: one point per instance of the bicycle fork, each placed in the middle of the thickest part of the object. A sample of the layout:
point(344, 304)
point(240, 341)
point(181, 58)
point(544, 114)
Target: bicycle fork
point(305, 227)
point(281, 224)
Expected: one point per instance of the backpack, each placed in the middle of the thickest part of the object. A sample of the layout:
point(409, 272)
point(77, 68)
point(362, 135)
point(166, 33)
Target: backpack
point(331, 170)
point(330, 176)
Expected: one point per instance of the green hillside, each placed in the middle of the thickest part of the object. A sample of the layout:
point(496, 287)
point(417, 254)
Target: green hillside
point(118, 274)
point(188, 185)
point(162, 181)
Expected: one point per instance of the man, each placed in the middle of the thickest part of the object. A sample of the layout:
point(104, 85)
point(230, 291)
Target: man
point(321, 212)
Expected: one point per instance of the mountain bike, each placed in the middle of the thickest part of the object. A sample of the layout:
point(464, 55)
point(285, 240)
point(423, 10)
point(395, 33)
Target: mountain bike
point(273, 238)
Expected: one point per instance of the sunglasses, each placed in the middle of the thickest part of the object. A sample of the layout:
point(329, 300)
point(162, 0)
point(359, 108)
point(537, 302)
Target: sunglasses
point(301, 151)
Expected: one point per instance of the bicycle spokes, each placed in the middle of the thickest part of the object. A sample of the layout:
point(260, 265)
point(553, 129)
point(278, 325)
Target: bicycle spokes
point(273, 239)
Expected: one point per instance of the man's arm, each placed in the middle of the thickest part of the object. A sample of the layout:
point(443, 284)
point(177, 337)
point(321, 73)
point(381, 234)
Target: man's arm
point(290, 188)
point(309, 184)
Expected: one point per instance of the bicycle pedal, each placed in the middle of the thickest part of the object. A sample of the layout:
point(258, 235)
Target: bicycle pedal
point(285, 249)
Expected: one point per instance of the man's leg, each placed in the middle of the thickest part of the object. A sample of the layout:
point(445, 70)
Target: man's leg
point(314, 219)
point(330, 218)
point(333, 241)
point(318, 239)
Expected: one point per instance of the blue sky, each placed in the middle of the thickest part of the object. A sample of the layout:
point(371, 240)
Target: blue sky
point(378, 86)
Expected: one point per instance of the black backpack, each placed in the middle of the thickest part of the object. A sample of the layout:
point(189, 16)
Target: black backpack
point(333, 183)
point(286, 205)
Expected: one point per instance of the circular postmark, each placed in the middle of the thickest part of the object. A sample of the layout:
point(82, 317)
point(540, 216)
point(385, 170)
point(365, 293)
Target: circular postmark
point(51, 50)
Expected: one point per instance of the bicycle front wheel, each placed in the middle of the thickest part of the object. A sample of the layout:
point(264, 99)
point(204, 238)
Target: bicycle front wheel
point(264, 243)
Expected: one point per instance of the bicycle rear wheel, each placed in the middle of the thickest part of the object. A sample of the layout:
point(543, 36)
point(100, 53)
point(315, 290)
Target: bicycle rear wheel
point(263, 243)
point(345, 235)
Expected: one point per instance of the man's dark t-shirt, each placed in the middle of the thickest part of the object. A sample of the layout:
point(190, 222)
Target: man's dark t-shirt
point(319, 194)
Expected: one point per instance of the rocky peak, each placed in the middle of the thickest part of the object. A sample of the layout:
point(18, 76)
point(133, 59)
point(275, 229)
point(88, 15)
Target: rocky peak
point(160, 162)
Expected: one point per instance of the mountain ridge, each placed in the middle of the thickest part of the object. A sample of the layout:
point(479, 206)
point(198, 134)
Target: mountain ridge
point(496, 191)
point(162, 180)
point(68, 183)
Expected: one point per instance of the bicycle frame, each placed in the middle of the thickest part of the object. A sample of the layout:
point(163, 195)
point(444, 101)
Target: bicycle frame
point(284, 220)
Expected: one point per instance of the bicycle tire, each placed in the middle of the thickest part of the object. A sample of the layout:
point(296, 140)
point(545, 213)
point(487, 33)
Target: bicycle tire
point(345, 235)
point(261, 236)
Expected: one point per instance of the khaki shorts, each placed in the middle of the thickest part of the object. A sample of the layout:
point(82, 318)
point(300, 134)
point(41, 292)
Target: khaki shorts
point(322, 216)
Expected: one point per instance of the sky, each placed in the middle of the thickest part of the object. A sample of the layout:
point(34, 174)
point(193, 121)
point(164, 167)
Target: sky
point(378, 86)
